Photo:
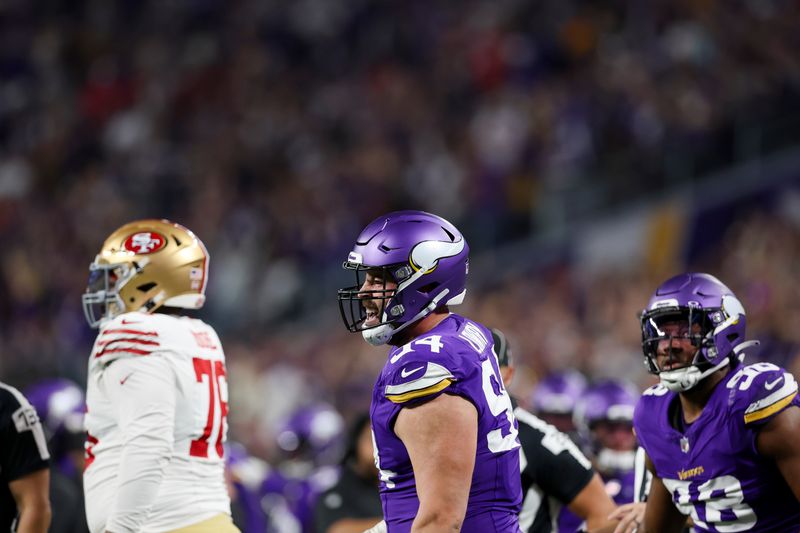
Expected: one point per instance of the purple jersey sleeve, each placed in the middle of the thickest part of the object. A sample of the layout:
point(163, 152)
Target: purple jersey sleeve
point(453, 358)
point(712, 467)
point(759, 392)
point(423, 369)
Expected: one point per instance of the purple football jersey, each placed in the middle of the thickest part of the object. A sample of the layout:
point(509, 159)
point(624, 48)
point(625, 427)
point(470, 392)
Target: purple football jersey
point(620, 486)
point(456, 358)
point(713, 470)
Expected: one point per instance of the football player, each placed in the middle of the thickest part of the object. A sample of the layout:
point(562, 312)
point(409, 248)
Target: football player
point(445, 434)
point(157, 396)
point(720, 437)
point(555, 474)
point(604, 417)
point(311, 440)
point(554, 398)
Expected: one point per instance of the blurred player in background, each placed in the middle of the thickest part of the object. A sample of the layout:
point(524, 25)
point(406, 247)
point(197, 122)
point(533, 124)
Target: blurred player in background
point(554, 398)
point(312, 440)
point(555, 474)
point(604, 417)
point(445, 434)
point(245, 475)
point(24, 460)
point(720, 437)
point(353, 504)
point(61, 405)
point(157, 394)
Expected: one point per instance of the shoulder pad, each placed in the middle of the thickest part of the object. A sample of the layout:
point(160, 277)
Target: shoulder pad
point(128, 335)
point(424, 348)
point(652, 396)
point(761, 391)
point(656, 390)
point(416, 379)
point(652, 401)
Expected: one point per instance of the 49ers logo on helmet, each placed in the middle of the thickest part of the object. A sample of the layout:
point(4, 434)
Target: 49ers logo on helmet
point(145, 242)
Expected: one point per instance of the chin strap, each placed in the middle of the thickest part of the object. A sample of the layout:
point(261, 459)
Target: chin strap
point(683, 379)
point(382, 334)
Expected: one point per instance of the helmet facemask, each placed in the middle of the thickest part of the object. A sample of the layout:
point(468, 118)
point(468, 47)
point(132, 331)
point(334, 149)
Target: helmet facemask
point(102, 300)
point(351, 300)
point(694, 324)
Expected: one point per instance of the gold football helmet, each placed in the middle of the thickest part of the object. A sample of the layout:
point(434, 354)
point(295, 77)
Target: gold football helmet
point(144, 265)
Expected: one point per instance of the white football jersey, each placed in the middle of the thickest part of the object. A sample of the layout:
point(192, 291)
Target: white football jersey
point(156, 401)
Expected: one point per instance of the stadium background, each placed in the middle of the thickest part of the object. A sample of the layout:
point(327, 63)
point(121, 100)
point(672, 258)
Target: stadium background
point(587, 149)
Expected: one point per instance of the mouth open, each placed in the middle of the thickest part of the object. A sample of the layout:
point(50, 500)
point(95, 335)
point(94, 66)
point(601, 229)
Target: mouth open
point(373, 318)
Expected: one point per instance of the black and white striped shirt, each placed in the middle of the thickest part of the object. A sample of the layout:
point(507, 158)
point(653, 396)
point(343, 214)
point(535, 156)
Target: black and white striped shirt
point(553, 472)
point(23, 447)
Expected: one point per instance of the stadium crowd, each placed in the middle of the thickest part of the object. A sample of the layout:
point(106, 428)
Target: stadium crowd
point(275, 133)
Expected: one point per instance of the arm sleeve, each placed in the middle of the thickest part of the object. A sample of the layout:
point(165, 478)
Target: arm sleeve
point(143, 392)
point(23, 447)
point(553, 461)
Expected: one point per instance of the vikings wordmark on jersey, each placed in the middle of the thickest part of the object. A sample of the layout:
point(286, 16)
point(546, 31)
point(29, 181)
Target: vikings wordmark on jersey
point(157, 404)
point(713, 469)
point(455, 357)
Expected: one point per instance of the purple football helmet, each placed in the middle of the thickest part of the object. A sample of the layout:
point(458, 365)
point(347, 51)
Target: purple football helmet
point(313, 433)
point(424, 254)
point(608, 400)
point(701, 300)
point(61, 406)
point(611, 403)
point(558, 393)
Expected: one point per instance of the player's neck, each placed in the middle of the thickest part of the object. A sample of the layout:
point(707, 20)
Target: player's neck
point(694, 400)
point(422, 326)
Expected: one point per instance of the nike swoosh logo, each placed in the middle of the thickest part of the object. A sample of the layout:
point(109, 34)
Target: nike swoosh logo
point(126, 321)
point(771, 384)
point(405, 374)
point(123, 380)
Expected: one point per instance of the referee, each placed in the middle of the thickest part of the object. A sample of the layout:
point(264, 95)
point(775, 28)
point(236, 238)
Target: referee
point(24, 459)
point(554, 471)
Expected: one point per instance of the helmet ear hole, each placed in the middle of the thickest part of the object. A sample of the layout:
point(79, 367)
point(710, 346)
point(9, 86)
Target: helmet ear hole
point(146, 286)
point(429, 288)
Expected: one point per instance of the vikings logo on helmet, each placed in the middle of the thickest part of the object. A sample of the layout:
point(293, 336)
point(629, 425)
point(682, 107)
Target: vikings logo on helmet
point(424, 254)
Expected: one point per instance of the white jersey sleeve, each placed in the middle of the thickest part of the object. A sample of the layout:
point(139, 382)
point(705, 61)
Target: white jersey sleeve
point(157, 403)
point(144, 393)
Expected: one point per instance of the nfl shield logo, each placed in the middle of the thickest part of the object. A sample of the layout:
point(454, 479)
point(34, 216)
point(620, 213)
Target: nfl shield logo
point(684, 445)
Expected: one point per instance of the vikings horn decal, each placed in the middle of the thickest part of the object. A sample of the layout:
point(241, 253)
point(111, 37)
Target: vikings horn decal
point(425, 255)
